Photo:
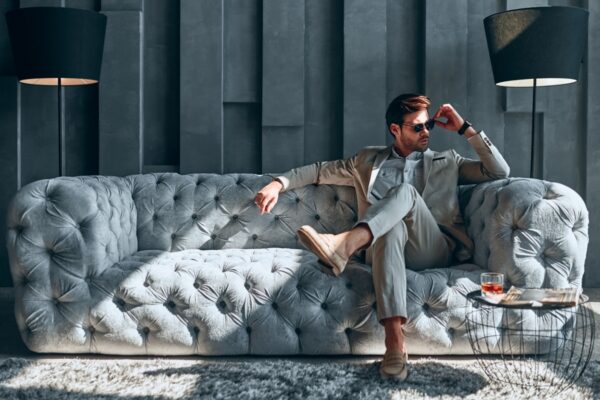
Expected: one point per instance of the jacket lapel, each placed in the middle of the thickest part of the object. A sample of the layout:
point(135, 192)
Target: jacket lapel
point(379, 159)
point(427, 161)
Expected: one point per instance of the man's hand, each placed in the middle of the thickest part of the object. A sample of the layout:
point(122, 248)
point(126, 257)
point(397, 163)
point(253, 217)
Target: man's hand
point(266, 198)
point(453, 120)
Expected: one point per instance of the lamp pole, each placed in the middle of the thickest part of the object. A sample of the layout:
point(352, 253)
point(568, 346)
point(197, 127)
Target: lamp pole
point(532, 162)
point(60, 135)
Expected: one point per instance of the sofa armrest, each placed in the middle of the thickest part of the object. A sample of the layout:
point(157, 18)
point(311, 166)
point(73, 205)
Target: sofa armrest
point(62, 233)
point(533, 231)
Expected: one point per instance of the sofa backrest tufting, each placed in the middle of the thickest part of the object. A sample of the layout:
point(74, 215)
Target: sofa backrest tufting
point(210, 211)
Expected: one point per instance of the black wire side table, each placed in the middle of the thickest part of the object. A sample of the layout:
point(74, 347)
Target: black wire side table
point(545, 349)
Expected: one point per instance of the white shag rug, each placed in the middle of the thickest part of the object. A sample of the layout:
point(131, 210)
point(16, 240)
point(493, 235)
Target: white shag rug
point(258, 378)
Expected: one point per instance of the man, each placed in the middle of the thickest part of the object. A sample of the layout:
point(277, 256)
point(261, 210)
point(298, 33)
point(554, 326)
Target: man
point(407, 206)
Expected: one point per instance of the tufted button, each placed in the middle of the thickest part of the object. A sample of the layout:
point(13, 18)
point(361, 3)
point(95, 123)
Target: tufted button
point(297, 199)
point(159, 180)
point(120, 302)
point(173, 236)
point(175, 198)
point(91, 330)
point(194, 216)
point(216, 198)
point(348, 285)
point(196, 330)
point(146, 330)
point(317, 217)
point(248, 330)
point(324, 306)
point(170, 304)
point(238, 182)
point(298, 331)
point(275, 306)
point(247, 286)
point(336, 198)
point(50, 252)
point(374, 306)
point(198, 182)
point(155, 217)
point(425, 307)
point(450, 331)
point(276, 218)
point(234, 217)
point(19, 229)
point(299, 286)
point(56, 301)
point(213, 236)
point(196, 285)
point(222, 305)
point(254, 237)
point(347, 331)
point(146, 283)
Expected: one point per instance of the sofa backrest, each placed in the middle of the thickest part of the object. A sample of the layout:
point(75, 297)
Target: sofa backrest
point(210, 211)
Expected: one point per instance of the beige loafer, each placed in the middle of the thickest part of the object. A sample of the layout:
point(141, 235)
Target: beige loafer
point(322, 245)
point(394, 365)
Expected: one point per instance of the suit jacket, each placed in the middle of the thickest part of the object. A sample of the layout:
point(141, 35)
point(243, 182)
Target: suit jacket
point(443, 172)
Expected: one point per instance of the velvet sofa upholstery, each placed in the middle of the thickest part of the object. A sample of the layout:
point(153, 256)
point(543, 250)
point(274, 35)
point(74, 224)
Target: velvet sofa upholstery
point(170, 264)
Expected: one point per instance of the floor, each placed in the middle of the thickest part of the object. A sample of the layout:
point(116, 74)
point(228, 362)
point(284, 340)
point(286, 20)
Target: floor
point(12, 346)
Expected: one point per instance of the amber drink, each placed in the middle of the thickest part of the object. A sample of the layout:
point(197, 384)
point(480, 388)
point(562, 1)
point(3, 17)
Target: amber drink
point(492, 283)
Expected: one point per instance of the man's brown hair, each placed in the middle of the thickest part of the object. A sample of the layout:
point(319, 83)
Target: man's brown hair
point(406, 103)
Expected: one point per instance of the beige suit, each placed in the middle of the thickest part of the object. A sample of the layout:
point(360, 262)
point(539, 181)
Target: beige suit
point(432, 223)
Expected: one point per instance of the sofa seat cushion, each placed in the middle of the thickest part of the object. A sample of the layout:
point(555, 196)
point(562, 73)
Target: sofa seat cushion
point(233, 301)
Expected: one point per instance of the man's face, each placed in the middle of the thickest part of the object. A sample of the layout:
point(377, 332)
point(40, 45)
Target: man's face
point(406, 138)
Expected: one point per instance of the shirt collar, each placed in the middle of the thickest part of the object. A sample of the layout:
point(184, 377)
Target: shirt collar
point(415, 155)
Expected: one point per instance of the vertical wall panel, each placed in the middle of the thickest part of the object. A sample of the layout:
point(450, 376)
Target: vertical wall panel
point(121, 95)
point(283, 63)
point(404, 57)
point(283, 84)
point(161, 82)
point(242, 137)
point(364, 74)
point(446, 64)
point(10, 160)
point(405, 50)
point(201, 86)
point(517, 141)
point(242, 50)
point(323, 125)
point(592, 154)
point(483, 95)
point(81, 130)
point(10, 171)
point(39, 130)
point(282, 148)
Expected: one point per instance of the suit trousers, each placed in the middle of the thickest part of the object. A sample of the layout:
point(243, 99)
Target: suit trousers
point(405, 233)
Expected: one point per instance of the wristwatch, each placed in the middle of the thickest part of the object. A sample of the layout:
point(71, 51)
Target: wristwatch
point(466, 125)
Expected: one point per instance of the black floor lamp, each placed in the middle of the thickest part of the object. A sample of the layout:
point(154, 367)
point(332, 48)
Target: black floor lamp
point(57, 46)
point(540, 46)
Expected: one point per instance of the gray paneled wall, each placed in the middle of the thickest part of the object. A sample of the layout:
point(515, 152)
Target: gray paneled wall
point(265, 85)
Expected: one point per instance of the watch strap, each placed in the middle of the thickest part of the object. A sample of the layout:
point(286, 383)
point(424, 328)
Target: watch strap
point(464, 127)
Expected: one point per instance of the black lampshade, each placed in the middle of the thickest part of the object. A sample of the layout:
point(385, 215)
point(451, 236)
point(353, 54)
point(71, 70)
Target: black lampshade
point(56, 42)
point(546, 43)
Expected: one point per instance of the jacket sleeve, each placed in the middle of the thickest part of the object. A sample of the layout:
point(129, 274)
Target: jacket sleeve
point(337, 172)
point(490, 166)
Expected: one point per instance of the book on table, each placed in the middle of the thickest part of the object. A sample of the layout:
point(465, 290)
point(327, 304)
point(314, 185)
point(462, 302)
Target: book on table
point(539, 297)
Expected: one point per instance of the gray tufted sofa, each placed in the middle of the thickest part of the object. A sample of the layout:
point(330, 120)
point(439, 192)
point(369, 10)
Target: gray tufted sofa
point(169, 264)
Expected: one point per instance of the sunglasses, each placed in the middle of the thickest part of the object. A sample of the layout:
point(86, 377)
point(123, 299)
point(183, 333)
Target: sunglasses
point(419, 127)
